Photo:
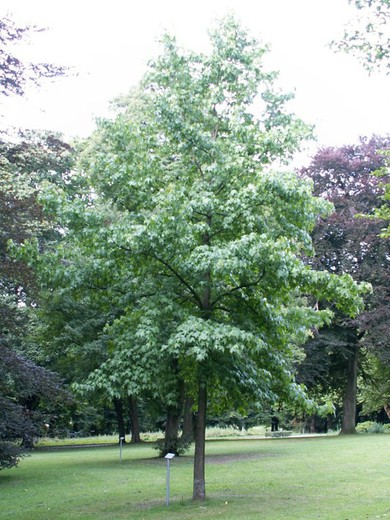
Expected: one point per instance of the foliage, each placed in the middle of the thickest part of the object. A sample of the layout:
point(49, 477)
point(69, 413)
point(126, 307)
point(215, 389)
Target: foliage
point(13, 425)
point(25, 162)
point(375, 386)
point(368, 35)
point(368, 38)
point(372, 427)
point(16, 74)
point(24, 387)
point(345, 243)
point(383, 211)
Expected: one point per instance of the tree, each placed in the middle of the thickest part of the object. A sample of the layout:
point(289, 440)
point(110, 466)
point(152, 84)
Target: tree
point(16, 74)
point(205, 241)
point(25, 163)
point(27, 391)
point(24, 388)
point(72, 316)
point(25, 160)
point(368, 36)
point(347, 244)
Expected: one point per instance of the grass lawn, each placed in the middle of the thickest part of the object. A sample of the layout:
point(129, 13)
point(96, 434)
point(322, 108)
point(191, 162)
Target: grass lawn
point(335, 478)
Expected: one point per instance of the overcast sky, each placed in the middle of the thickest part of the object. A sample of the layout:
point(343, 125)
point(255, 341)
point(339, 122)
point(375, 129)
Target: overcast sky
point(109, 43)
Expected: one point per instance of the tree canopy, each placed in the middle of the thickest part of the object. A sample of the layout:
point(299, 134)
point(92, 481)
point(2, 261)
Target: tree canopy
point(345, 242)
point(368, 35)
point(14, 73)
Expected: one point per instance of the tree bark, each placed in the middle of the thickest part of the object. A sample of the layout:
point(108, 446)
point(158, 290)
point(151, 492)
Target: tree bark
point(31, 404)
point(199, 490)
point(134, 420)
point(350, 394)
point(171, 432)
point(188, 421)
point(119, 418)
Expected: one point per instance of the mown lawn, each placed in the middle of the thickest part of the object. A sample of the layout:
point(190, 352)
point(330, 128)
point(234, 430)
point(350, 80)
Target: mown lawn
point(335, 478)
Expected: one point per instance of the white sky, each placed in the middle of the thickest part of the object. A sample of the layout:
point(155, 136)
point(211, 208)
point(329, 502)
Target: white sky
point(109, 43)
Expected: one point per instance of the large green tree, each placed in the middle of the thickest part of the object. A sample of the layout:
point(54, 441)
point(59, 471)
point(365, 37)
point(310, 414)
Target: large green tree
point(205, 240)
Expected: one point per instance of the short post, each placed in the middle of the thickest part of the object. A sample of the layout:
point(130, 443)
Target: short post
point(121, 439)
point(168, 457)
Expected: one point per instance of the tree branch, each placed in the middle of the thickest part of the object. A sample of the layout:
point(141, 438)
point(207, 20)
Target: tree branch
point(180, 278)
point(238, 288)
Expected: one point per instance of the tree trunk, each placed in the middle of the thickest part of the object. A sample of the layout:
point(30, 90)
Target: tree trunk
point(199, 491)
point(119, 418)
point(188, 421)
point(387, 409)
point(350, 394)
point(31, 404)
point(134, 420)
point(171, 432)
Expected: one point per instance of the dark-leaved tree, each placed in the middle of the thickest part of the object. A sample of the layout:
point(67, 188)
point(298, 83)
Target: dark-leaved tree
point(345, 243)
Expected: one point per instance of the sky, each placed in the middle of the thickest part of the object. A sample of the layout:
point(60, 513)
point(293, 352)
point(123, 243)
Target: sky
point(109, 43)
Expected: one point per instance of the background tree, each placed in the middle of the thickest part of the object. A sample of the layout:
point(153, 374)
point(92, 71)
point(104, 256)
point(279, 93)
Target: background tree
point(368, 35)
point(25, 160)
point(74, 311)
point(383, 211)
point(28, 391)
point(29, 395)
point(15, 74)
point(347, 244)
point(368, 38)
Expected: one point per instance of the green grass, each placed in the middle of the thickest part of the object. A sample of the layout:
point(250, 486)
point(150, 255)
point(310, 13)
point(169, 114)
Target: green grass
point(335, 478)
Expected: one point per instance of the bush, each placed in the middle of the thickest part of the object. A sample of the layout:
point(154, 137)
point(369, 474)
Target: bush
point(15, 427)
point(9, 455)
point(178, 447)
point(372, 427)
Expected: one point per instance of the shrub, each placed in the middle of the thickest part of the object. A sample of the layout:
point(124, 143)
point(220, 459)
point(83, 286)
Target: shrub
point(372, 427)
